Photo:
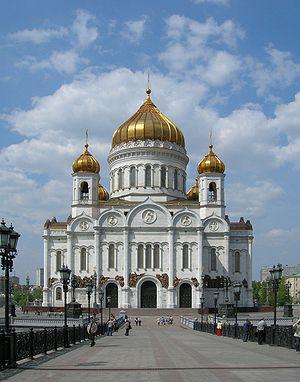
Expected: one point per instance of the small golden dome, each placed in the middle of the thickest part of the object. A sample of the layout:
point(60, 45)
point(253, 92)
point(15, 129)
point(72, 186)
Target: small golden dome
point(86, 162)
point(211, 163)
point(148, 123)
point(103, 195)
point(193, 192)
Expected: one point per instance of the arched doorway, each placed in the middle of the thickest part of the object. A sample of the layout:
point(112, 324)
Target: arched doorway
point(112, 292)
point(185, 296)
point(148, 295)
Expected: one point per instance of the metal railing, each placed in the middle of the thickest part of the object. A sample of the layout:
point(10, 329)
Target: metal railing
point(279, 336)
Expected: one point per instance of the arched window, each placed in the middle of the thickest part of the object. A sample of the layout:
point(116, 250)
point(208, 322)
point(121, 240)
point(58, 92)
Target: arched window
point(213, 259)
point(120, 179)
point(212, 192)
point(237, 262)
point(163, 176)
point(148, 256)
point(185, 256)
point(132, 177)
point(148, 176)
point(58, 293)
point(140, 256)
point(111, 256)
point(175, 182)
point(83, 266)
point(156, 256)
point(84, 191)
point(58, 260)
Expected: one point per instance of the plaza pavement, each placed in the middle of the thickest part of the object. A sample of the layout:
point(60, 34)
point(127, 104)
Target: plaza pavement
point(163, 353)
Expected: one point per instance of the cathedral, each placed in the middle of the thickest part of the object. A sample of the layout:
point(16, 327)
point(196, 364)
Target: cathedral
point(149, 243)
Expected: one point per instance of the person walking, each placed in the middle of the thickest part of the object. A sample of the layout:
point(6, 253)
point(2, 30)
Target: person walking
point(246, 330)
point(296, 327)
point(136, 321)
point(127, 326)
point(110, 325)
point(140, 321)
point(219, 329)
point(261, 331)
point(92, 330)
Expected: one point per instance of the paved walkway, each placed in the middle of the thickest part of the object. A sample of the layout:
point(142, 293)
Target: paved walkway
point(172, 354)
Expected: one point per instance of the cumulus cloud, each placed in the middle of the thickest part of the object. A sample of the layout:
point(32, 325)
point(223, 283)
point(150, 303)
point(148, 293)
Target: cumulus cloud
point(85, 32)
point(280, 70)
point(134, 29)
point(38, 36)
point(65, 62)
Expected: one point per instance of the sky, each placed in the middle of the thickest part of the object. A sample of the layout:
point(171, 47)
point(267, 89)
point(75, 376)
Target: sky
point(232, 66)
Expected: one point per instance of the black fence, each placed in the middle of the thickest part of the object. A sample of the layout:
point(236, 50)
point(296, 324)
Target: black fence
point(279, 336)
point(16, 346)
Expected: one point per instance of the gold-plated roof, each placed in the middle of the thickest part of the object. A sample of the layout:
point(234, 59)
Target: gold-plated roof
point(103, 195)
point(193, 192)
point(86, 162)
point(148, 123)
point(211, 163)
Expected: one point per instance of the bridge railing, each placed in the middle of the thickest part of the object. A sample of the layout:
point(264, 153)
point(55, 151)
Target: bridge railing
point(16, 346)
point(279, 336)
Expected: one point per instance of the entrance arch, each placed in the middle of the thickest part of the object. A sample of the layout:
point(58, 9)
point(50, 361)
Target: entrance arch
point(112, 292)
point(185, 296)
point(148, 295)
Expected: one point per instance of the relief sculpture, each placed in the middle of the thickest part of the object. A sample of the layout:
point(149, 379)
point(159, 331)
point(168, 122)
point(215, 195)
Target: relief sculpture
point(120, 280)
point(176, 281)
point(195, 281)
point(134, 278)
point(102, 280)
point(164, 280)
point(51, 280)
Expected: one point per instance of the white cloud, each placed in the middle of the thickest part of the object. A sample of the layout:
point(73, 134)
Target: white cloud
point(280, 70)
point(65, 62)
point(38, 36)
point(134, 29)
point(85, 33)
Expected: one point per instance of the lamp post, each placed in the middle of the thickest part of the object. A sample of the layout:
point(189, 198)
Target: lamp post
point(216, 297)
point(276, 275)
point(237, 286)
point(65, 280)
point(27, 288)
point(288, 307)
point(202, 304)
point(108, 303)
point(8, 247)
point(89, 290)
point(101, 297)
point(95, 287)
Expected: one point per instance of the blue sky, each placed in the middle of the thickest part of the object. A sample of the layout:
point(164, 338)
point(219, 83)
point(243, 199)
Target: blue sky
point(229, 65)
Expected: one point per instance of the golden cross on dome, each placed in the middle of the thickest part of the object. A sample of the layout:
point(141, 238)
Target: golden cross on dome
point(148, 91)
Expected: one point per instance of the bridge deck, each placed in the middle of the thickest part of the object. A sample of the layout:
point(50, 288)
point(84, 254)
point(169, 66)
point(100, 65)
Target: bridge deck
point(153, 353)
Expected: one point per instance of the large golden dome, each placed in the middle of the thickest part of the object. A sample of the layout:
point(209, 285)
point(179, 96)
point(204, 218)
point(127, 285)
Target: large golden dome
point(211, 163)
point(193, 192)
point(148, 123)
point(86, 162)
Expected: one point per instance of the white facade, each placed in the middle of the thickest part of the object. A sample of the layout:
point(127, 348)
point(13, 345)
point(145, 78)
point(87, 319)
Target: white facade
point(149, 245)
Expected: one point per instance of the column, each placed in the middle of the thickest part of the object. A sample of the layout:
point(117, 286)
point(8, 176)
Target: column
point(70, 254)
point(171, 268)
point(226, 253)
point(98, 260)
point(199, 265)
point(125, 289)
point(47, 267)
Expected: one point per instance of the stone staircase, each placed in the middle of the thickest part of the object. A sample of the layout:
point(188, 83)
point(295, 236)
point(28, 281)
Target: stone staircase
point(136, 312)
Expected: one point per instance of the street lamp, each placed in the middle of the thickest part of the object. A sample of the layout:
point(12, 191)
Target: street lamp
point(8, 246)
point(202, 303)
point(216, 297)
point(276, 275)
point(101, 297)
point(237, 286)
point(65, 280)
point(108, 303)
point(89, 290)
point(95, 286)
point(27, 287)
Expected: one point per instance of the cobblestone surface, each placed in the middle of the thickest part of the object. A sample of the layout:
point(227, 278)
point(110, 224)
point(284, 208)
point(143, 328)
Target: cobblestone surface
point(172, 354)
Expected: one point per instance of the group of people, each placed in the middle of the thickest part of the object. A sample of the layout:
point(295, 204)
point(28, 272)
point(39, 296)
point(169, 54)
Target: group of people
point(164, 320)
point(138, 321)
